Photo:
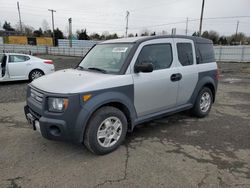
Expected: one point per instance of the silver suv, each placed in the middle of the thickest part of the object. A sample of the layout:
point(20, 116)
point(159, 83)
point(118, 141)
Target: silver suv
point(122, 83)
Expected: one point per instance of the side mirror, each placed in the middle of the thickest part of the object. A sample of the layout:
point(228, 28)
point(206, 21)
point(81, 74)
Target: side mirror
point(144, 67)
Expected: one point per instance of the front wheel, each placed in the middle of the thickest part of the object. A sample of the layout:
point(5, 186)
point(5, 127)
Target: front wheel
point(203, 103)
point(106, 130)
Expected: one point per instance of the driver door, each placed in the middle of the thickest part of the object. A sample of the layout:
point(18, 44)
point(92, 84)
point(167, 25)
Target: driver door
point(155, 91)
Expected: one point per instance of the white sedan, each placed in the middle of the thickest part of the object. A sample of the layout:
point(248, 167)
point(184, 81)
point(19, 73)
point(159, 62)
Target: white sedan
point(23, 67)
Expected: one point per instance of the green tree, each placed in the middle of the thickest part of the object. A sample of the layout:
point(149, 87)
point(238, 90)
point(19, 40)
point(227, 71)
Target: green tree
point(94, 36)
point(212, 35)
point(7, 26)
point(58, 34)
point(223, 40)
point(82, 35)
point(38, 33)
point(130, 35)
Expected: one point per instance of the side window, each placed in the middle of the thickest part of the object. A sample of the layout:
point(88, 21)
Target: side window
point(185, 53)
point(160, 55)
point(18, 58)
point(205, 53)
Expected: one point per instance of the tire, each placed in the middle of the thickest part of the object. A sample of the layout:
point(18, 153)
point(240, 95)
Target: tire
point(35, 74)
point(106, 130)
point(203, 103)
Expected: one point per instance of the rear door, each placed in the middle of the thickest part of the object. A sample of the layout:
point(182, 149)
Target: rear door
point(155, 91)
point(188, 69)
point(18, 66)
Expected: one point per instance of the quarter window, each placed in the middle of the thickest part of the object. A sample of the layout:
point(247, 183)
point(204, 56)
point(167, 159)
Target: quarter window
point(18, 58)
point(160, 55)
point(185, 53)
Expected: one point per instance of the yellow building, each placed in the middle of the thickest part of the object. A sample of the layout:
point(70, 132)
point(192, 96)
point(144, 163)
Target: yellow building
point(23, 40)
point(44, 41)
point(17, 40)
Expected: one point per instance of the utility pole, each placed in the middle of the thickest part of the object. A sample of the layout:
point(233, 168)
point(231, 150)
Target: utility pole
point(20, 21)
point(237, 27)
point(187, 26)
point(70, 32)
point(202, 9)
point(53, 29)
point(127, 15)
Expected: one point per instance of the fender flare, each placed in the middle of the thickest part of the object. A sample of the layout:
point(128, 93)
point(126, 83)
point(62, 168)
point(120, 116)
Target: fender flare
point(95, 103)
point(201, 83)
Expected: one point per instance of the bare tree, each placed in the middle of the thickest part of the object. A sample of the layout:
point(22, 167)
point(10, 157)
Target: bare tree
point(45, 25)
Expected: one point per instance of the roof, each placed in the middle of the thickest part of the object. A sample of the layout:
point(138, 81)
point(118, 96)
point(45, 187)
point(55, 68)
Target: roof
point(146, 38)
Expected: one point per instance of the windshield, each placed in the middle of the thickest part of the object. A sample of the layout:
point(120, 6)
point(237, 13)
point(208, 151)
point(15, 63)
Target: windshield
point(106, 58)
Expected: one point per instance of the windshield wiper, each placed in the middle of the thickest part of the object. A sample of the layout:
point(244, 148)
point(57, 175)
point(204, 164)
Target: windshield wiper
point(98, 69)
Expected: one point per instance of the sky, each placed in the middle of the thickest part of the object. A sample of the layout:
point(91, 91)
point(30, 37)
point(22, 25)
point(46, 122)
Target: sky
point(110, 15)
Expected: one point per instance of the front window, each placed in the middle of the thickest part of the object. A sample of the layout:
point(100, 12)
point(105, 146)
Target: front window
point(106, 58)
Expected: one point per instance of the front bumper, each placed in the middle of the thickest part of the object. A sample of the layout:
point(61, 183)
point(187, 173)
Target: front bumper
point(66, 126)
point(52, 129)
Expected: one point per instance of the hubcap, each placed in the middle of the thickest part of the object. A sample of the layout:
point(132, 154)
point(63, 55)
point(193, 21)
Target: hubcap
point(205, 102)
point(109, 132)
point(36, 74)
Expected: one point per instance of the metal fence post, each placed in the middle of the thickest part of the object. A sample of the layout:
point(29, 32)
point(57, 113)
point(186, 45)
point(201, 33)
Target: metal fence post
point(243, 53)
point(220, 53)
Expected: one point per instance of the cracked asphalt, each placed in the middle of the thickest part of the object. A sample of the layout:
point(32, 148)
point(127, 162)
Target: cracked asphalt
point(175, 151)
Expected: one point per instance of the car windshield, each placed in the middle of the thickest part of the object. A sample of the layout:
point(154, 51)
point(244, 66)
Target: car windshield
point(106, 58)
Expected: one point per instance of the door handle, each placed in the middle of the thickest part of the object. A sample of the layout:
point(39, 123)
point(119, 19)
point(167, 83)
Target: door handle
point(28, 64)
point(176, 77)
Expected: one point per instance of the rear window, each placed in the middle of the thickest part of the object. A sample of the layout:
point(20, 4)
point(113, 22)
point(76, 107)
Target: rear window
point(205, 52)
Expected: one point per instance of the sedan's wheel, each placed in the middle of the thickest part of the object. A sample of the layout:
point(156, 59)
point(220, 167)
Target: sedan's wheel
point(106, 130)
point(203, 103)
point(35, 74)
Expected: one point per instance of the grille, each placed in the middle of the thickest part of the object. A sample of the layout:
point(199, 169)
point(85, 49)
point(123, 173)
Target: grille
point(37, 115)
point(37, 96)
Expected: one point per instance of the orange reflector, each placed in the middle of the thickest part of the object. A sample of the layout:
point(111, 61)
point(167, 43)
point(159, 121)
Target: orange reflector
point(86, 97)
point(65, 103)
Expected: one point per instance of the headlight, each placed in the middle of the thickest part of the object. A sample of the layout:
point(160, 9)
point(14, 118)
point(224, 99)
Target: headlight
point(57, 104)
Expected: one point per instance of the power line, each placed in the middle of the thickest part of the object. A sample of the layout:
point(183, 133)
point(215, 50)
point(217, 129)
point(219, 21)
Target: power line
point(52, 14)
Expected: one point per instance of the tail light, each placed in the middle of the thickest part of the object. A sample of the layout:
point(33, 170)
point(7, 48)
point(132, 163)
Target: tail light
point(217, 76)
point(49, 62)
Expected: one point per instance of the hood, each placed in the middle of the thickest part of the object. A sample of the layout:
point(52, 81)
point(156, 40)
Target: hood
point(77, 81)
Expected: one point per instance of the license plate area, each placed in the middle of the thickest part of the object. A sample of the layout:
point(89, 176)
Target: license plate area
point(33, 121)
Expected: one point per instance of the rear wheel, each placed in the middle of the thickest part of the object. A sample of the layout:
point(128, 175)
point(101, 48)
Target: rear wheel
point(106, 130)
point(35, 74)
point(203, 103)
